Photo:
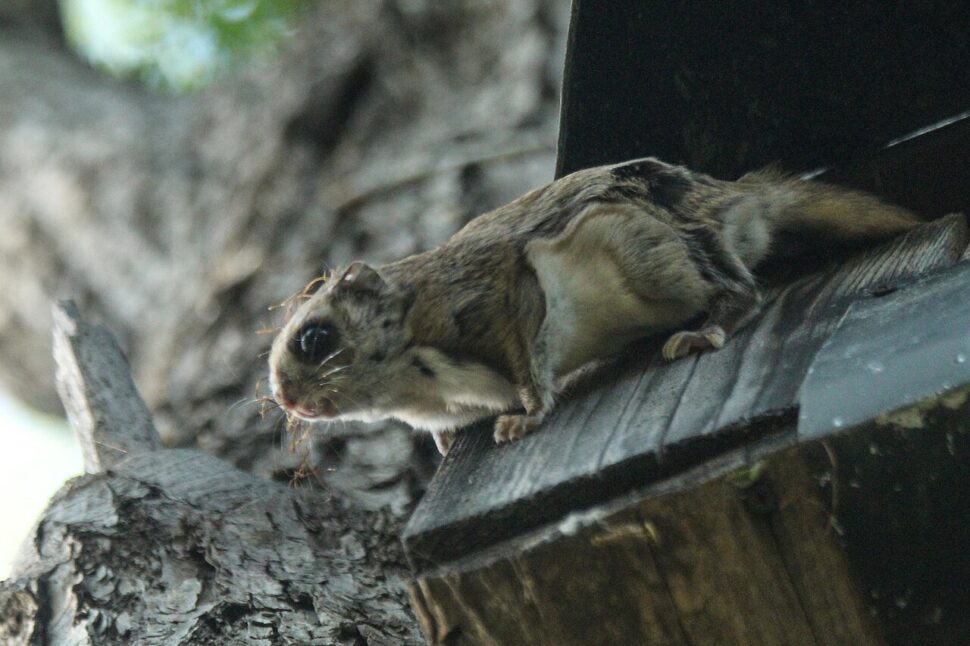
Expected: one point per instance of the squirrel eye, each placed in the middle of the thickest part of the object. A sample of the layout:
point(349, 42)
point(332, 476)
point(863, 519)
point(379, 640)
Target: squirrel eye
point(314, 342)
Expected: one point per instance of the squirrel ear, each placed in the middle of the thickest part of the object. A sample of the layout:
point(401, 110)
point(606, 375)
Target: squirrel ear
point(361, 277)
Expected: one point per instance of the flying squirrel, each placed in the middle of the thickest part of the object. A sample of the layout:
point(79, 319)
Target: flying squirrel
point(492, 321)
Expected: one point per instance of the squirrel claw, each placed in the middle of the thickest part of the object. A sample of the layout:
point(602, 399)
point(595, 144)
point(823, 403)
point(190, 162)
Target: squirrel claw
point(513, 427)
point(683, 343)
point(443, 440)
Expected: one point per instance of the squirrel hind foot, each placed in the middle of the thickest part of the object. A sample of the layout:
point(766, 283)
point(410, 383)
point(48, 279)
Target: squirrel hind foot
point(513, 427)
point(681, 344)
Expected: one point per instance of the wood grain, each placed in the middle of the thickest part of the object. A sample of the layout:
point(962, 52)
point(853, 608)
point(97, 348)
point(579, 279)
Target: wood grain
point(801, 524)
point(694, 563)
point(888, 353)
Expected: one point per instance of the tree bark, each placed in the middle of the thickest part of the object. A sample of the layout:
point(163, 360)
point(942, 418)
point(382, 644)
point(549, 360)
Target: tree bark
point(173, 546)
point(176, 221)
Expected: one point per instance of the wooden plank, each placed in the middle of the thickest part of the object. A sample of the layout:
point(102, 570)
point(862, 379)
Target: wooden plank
point(694, 562)
point(527, 591)
point(533, 597)
point(723, 569)
point(890, 352)
point(641, 419)
point(800, 513)
point(857, 539)
point(900, 489)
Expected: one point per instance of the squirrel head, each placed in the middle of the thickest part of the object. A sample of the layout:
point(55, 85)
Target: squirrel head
point(344, 350)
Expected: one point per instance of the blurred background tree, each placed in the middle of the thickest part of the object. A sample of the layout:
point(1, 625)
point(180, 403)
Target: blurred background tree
point(173, 46)
point(343, 129)
point(176, 44)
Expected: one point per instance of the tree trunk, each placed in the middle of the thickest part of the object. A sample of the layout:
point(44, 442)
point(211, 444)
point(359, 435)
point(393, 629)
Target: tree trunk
point(176, 222)
point(172, 546)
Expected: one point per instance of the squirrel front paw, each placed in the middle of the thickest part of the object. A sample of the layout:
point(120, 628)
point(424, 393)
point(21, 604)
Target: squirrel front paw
point(513, 427)
point(443, 440)
point(683, 343)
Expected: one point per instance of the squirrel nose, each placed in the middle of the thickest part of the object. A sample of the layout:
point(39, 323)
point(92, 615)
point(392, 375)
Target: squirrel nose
point(280, 394)
point(284, 401)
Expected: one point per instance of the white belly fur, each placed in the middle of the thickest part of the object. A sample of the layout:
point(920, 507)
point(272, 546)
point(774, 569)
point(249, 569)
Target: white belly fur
point(591, 312)
point(460, 394)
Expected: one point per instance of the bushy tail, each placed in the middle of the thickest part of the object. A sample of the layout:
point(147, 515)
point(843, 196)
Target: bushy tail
point(824, 211)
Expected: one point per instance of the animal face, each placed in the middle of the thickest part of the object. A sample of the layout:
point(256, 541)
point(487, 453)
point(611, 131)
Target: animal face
point(340, 354)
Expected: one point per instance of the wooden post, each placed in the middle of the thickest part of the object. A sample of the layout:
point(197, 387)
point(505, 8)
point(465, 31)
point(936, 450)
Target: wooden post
point(726, 560)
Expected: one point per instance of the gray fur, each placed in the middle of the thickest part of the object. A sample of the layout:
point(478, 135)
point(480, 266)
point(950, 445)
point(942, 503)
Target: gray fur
point(500, 314)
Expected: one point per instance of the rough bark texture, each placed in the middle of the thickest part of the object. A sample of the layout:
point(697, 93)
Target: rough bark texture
point(174, 546)
point(111, 421)
point(179, 547)
point(176, 221)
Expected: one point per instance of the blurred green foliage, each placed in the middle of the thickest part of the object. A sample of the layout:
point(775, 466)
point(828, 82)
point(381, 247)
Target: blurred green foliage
point(176, 44)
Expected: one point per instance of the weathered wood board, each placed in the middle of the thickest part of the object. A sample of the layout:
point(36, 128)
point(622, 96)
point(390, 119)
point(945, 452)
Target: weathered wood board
point(710, 563)
point(890, 353)
point(643, 420)
point(856, 539)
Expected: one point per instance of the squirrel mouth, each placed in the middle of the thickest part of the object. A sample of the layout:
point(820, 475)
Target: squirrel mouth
point(325, 409)
point(293, 403)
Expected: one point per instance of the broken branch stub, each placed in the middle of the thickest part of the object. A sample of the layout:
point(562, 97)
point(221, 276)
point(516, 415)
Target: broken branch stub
point(94, 382)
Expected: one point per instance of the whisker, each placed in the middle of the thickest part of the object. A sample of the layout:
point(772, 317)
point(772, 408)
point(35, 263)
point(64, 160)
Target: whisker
point(345, 396)
point(330, 380)
point(278, 426)
point(268, 403)
point(244, 400)
point(299, 436)
point(333, 371)
point(293, 423)
point(313, 283)
point(329, 357)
